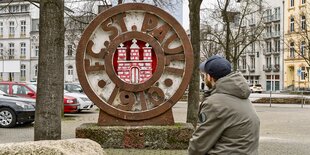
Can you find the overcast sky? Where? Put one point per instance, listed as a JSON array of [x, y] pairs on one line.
[[205, 4]]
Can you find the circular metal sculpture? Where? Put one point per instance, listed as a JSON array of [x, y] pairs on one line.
[[134, 62]]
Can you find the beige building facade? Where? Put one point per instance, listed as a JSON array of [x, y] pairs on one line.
[[295, 45]]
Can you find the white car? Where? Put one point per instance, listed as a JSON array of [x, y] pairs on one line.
[[82, 99], [256, 88]]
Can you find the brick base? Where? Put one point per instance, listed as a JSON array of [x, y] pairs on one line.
[[147, 137]]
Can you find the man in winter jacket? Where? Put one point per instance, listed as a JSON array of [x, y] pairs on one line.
[[228, 123]]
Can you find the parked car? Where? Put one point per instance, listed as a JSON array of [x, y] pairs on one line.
[[15, 112], [3, 95], [73, 88], [29, 91], [256, 88], [82, 99]]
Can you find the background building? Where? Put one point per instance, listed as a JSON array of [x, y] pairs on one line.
[[296, 45], [272, 75], [19, 36]]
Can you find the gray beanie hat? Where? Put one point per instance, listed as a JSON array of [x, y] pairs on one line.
[[216, 66]]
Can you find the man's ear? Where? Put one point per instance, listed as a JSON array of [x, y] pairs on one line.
[[206, 77], [210, 78]]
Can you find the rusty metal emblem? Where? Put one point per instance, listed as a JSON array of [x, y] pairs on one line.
[[134, 62]]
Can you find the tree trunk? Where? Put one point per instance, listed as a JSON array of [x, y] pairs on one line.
[[227, 22], [51, 71], [235, 64], [193, 94]]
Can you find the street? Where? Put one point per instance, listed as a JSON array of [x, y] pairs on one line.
[[284, 128]]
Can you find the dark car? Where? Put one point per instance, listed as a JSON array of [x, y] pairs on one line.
[[15, 112]]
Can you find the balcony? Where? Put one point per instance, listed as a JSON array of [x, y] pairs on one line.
[[276, 18], [11, 57], [276, 34], [23, 35], [267, 68], [276, 68], [252, 22], [22, 79], [251, 53], [251, 69], [22, 57], [11, 35], [268, 19], [243, 70], [243, 54], [267, 35], [290, 57], [275, 52], [266, 53]]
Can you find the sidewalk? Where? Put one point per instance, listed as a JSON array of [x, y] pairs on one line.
[[144, 152]]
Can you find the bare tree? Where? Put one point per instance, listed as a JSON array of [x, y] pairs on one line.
[[208, 48], [51, 70], [240, 25], [193, 94]]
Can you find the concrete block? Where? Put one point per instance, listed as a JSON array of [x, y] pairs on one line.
[[143, 137]]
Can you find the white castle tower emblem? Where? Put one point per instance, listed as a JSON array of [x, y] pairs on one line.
[[134, 70]]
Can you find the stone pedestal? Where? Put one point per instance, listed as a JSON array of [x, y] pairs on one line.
[[147, 137]]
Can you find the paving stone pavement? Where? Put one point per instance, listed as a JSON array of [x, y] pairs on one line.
[[284, 130], [144, 152]]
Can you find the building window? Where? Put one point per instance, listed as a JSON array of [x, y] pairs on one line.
[[253, 48], [70, 51], [268, 62], [292, 3], [1, 50], [36, 70], [36, 51], [269, 15], [252, 63], [302, 48], [277, 29], [23, 71], [11, 50], [243, 62], [13, 8], [303, 22], [277, 60], [292, 50], [1, 29], [292, 24], [277, 45], [269, 30], [277, 13], [303, 2], [268, 46], [11, 29], [11, 76], [252, 19], [24, 8], [70, 70], [22, 50], [303, 74], [23, 28]]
